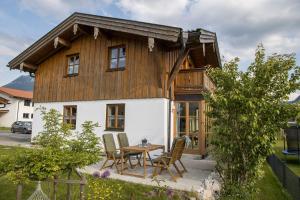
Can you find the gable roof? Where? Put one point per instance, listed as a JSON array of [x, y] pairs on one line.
[[31, 57], [155, 31], [16, 93]]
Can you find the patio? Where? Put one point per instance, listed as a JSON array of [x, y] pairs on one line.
[[198, 171]]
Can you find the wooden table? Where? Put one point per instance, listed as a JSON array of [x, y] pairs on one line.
[[139, 149]]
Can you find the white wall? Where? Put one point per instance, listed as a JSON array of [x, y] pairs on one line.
[[16, 109], [143, 118]]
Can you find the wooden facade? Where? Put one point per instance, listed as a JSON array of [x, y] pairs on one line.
[[143, 77]]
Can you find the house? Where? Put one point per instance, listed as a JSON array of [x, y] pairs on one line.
[[15, 105], [140, 78]]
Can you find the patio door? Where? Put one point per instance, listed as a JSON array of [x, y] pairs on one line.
[[187, 123]]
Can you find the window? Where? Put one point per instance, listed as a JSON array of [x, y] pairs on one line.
[[31, 116], [26, 115], [187, 122], [115, 117], [117, 57], [27, 102], [70, 113], [73, 65]]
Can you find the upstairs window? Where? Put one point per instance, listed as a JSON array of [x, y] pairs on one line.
[[70, 113], [73, 65], [27, 102], [26, 115], [117, 57], [115, 117]]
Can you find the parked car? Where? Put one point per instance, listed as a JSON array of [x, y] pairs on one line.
[[20, 126]]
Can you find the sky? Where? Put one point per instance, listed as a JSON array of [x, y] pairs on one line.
[[240, 24]]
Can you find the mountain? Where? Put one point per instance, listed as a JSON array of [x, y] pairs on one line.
[[24, 82], [295, 100]]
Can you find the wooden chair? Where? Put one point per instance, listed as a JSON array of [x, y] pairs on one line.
[[165, 161], [112, 152], [123, 142]]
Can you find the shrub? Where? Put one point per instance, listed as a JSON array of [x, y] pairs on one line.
[[248, 109]]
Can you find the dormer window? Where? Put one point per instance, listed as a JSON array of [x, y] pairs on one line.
[[73, 65], [117, 57]]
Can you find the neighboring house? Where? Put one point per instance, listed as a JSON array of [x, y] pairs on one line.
[[140, 78], [15, 105]]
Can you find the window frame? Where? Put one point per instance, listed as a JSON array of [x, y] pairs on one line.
[[68, 65], [118, 68], [27, 100], [27, 114], [64, 115], [115, 128]]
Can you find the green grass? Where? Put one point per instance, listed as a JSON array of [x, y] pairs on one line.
[[291, 161], [4, 128], [269, 186]]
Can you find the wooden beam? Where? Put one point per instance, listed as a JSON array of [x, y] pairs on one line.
[[96, 32], [175, 69], [150, 43], [61, 41], [75, 28], [27, 65]]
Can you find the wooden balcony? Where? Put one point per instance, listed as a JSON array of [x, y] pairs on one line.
[[193, 81]]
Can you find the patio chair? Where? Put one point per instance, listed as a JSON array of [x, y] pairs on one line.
[[166, 160], [123, 142], [112, 152], [292, 142]]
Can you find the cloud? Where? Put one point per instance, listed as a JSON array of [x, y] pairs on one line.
[[60, 9], [240, 25], [12, 45]]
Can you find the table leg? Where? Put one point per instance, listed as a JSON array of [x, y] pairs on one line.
[[122, 161], [150, 158], [145, 164]]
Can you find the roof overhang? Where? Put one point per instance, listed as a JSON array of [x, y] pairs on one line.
[[78, 23], [3, 100], [31, 57]]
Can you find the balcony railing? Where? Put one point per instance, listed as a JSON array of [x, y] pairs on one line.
[[195, 80]]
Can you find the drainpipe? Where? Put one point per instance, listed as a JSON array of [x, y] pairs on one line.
[[18, 110], [169, 121]]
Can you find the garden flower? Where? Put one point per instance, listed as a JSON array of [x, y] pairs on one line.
[[96, 174], [105, 174], [169, 192]]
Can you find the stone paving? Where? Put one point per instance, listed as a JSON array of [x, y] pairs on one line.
[[198, 171]]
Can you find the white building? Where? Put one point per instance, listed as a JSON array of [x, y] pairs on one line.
[[16, 105]]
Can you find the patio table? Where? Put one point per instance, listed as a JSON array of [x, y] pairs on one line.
[[139, 149]]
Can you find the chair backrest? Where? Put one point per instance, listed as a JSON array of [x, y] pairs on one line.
[[177, 149], [109, 143], [123, 140], [292, 138]]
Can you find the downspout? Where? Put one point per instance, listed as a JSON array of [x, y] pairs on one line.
[[18, 110], [169, 122]]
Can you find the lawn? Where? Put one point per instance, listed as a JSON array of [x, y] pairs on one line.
[[4, 128], [270, 187], [291, 161]]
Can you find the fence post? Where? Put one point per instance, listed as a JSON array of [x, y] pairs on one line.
[[284, 174], [19, 191], [54, 187]]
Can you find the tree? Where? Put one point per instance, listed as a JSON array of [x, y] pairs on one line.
[[248, 110]]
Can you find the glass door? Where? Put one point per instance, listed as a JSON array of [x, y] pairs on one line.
[[187, 124]]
